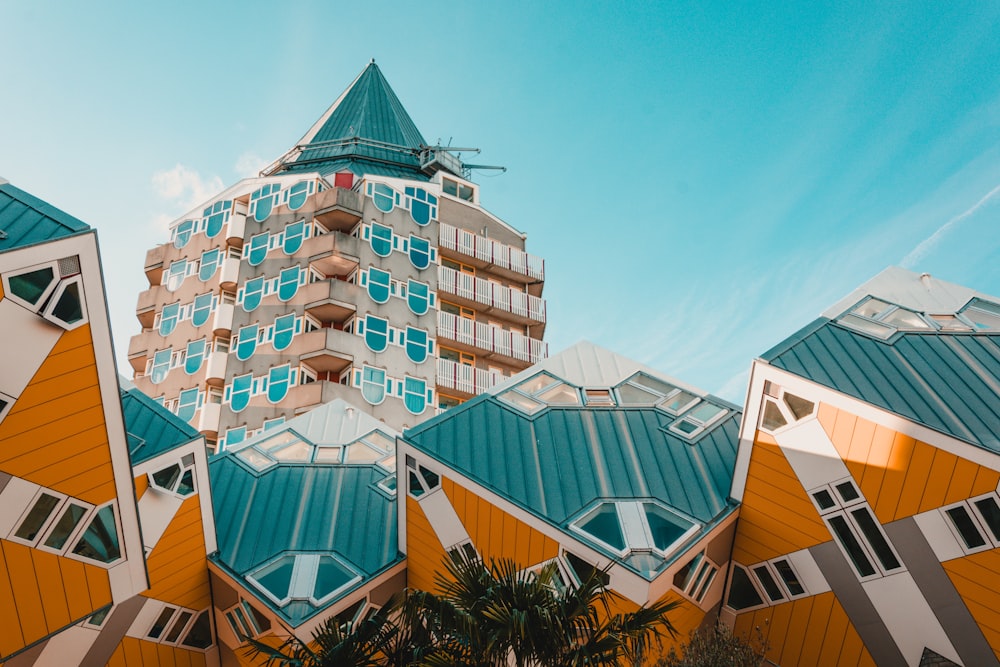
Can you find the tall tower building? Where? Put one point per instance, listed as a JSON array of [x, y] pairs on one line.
[[359, 265]]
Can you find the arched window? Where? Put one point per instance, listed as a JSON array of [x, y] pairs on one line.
[[414, 395], [168, 318], [203, 307], [239, 392], [294, 234], [420, 252], [194, 357], [381, 240], [376, 333], [253, 292], [297, 194], [285, 328], [417, 296], [257, 248], [288, 283], [216, 215], [246, 341], [187, 404], [416, 345], [176, 274], [373, 384], [384, 197], [422, 205], [262, 200], [161, 366], [378, 284], [209, 264], [278, 381], [183, 233]]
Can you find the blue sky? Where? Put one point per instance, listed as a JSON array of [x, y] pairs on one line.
[[701, 178]]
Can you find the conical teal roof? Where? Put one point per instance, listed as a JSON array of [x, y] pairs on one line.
[[367, 124]]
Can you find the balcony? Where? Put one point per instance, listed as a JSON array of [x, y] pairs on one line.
[[524, 308], [325, 350], [138, 352], [222, 321], [237, 225], [230, 273], [215, 370], [500, 258], [154, 264], [333, 254], [207, 419], [466, 379], [149, 302], [482, 337], [338, 209], [330, 301]]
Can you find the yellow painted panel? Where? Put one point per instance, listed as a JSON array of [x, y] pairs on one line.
[[879, 455], [827, 416], [892, 484], [986, 481], [27, 596], [141, 483], [962, 479], [133, 651], [764, 438], [118, 657], [72, 351], [150, 653], [50, 585], [74, 581], [974, 578], [815, 629], [850, 652], [198, 659], [11, 638], [938, 479], [99, 584], [425, 555], [917, 473], [798, 622], [177, 570]]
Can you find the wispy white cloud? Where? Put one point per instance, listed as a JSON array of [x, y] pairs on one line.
[[181, 188], [926, 246], [249, 164]]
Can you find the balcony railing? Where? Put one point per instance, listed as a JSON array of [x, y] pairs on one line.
[[491, 294], [491, 251], [490, 338], [465, 378]]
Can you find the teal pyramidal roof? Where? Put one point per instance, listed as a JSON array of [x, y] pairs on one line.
[[150, 428], [919, 347], [586, 426], [366, 130], [26, 220], [316, 486]]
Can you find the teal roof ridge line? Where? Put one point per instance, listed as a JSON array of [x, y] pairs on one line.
[[367, 120], [26, 220], [150, 428]]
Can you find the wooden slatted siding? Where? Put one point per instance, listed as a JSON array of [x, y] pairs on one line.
[[808, 632], [178, 573], [41, 593], [55, 435], [901, 476], [777, 516], [424, 554], [134, 652], [975, 578], [495, 533]]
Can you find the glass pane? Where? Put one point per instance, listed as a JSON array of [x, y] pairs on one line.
[[631, 395], [66, 524], [705, 412], [799, 407], [277, 441], [847, 491], [686, 426], [871, 308], [277, 577], [656, 385], [175, 630], [851, 546], [991, 515], [416, 489], [742, 593], [772, 418], [561, 395], [665, 527], [69, 308], [769, 584], [37, 517], [256, 460], [529, 405], [788, 575], [186, 487], [100, 540], [432, 479], [161, 622], [873, 533], [200, 634], [824, 499], [536, 383], [327, 455], [381, 440], [31, 286], [167, 477], [867, 326], [300, 451], [359, 453], [683, 576], [906, 319], [603, 524], [966, 527], [678, 402], [330, 576]]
